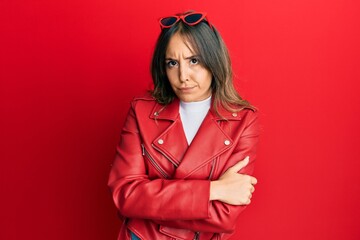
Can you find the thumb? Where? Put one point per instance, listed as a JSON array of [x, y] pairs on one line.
[[241, 164]]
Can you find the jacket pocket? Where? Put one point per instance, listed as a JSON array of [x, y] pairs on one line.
[[177, 234], [152, 161]]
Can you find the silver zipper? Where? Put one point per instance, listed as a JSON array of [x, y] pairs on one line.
[[212, 169], [167, 157], [153, 162], [196, 237]]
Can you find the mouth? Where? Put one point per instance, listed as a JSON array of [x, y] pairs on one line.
[[186, 89]]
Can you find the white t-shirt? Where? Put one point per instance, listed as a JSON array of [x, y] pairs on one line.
[[192, 115]]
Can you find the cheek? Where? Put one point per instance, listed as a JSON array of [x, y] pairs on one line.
[[206, 79], [171, 77]]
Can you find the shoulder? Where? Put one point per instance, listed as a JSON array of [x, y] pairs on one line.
[[237, 112], [144, 104], [144, 99], [251, 115], [247, 116], [249, 111], [242, 117]]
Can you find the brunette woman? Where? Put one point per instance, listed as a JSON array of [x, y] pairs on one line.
[[184, 162]]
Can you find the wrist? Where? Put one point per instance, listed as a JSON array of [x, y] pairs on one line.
[[214, 190]]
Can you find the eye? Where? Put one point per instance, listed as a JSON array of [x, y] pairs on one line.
[[194, 61], [171, 63]]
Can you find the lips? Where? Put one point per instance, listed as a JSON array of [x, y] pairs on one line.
[[186, 89]]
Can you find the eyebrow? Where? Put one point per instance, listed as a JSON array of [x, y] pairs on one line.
[[190, 57]]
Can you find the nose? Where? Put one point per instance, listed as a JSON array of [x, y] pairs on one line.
[[183, 74]]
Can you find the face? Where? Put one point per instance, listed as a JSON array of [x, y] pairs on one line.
[[188, 77]]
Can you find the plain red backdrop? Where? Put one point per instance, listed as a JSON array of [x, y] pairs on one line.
[[68, 70]]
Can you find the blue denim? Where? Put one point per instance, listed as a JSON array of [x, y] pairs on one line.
[[134, 237]]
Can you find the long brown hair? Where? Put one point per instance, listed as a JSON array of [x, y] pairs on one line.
[[208, 44]]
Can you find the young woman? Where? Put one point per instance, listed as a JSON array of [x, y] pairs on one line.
[[186, 153]]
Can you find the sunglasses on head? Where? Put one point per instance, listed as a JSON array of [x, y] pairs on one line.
[[190, 19]]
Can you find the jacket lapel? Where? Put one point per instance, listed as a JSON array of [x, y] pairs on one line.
[[172, 141], [201, 150]]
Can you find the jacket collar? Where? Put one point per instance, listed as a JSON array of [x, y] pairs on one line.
[[171, 112]]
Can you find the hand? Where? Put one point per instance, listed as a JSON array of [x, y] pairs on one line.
[[232, 187]]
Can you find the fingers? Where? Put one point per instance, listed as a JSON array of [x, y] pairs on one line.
[[248, 201], [241, 164], [253, 181]]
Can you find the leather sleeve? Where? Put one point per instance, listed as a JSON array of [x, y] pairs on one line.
[[136, 196], [222, 216]]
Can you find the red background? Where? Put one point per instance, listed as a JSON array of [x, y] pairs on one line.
[[68, 70]]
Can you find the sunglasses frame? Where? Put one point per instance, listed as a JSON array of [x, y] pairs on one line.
[[182, 17]]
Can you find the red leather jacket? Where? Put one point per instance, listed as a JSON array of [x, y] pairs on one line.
[[161, 186]]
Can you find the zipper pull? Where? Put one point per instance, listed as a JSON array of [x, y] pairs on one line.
[[196, 237], [143, 149]]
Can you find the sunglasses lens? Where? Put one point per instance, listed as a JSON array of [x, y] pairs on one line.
[[169, 21], [193, 18]]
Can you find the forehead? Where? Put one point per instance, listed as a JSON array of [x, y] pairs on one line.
[[179, 44]]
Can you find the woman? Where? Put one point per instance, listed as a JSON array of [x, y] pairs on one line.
[[183, 164]]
